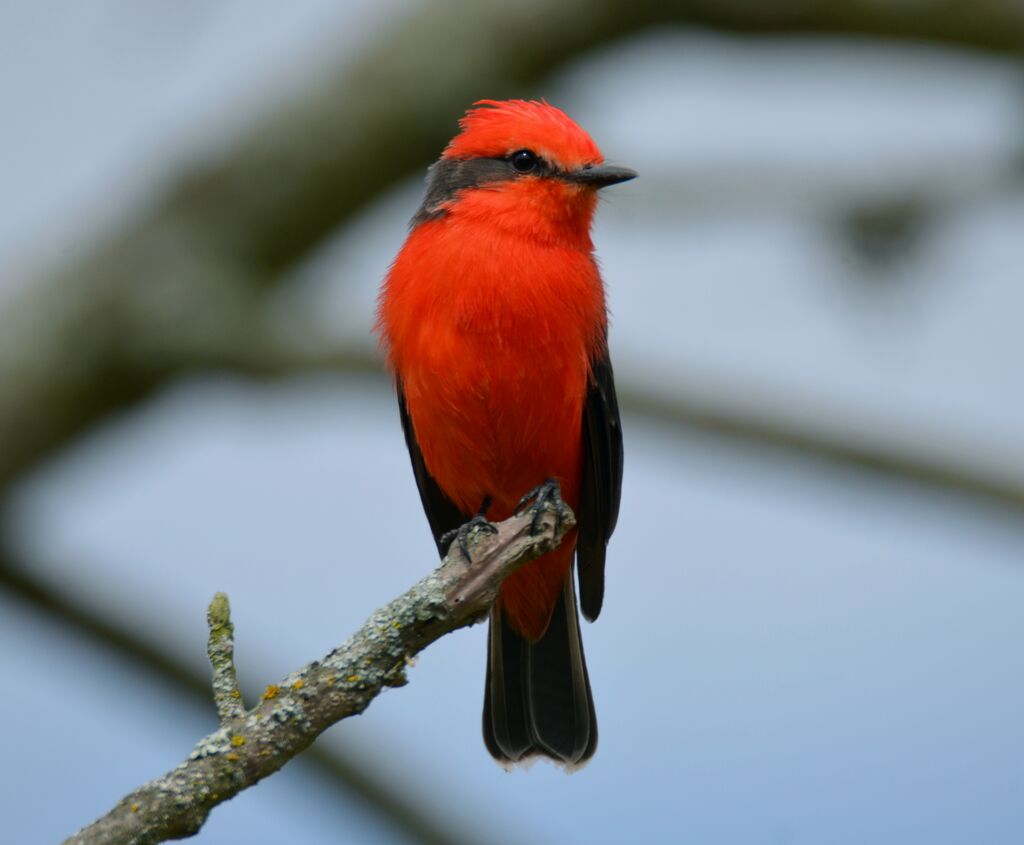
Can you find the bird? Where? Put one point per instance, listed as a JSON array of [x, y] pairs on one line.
[[494, 323]]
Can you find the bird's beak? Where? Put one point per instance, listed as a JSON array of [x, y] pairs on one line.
[[601, 175]]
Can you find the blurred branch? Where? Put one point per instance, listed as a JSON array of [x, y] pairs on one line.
[[746, 416], [911, 456], [996, 25], [879, 210], [89, 339], [291, 714], [766, 186], [334, 768]]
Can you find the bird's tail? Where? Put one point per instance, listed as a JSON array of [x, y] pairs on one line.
[[537, 701]]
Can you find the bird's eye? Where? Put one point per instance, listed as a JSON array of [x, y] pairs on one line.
[[524, 161]]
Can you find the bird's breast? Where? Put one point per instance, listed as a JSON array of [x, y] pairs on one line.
[[492, 339]]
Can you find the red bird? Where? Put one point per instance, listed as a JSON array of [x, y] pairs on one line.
[[494, 322]]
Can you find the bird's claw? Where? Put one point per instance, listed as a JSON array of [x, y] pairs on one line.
[[538, 500], [461, 534]]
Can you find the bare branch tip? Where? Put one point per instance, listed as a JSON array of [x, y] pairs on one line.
[[221, 651], [218, 613]]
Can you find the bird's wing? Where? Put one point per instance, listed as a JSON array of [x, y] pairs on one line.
[[601, 484], [442, 514]]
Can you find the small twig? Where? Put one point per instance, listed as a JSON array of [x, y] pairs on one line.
[[291, 714], [221, 650]]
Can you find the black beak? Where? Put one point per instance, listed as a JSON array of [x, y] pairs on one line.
[[601, 175]]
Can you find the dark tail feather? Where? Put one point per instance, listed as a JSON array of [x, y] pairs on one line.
[[537, 699]]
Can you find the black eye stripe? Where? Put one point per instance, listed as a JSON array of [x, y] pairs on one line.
[[449, 176]]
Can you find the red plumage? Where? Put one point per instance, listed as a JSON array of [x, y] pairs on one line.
[[493, 316]]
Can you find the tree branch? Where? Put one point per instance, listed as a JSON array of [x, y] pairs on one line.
[[343, 770], [291, 714]]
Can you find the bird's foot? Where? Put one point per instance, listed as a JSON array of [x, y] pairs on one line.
[[541, 498], [462, 534]]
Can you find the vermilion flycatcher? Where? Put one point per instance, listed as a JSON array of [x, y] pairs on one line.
[[494, 322]]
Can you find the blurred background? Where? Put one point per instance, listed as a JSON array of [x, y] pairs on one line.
[[813, 623]]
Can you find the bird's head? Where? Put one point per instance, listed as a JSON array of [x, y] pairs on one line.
[[523, 166]]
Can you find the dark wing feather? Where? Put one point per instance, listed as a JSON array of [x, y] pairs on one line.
[[601, 485], [442, 514]]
